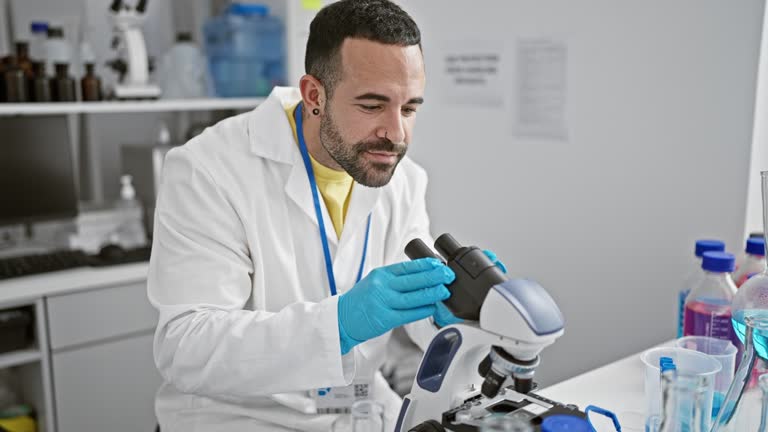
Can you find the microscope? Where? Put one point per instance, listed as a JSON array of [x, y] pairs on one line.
[[132, 63], [484, 366]]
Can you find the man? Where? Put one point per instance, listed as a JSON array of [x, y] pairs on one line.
[[277, 265]]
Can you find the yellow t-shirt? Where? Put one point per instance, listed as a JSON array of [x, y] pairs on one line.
[[334, 186]]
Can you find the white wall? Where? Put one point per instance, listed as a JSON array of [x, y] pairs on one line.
[[660, 101], [759, 142]]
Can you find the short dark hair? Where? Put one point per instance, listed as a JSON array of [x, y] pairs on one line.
[[375, 20]]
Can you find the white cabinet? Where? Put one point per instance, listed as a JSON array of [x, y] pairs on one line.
[[103, 372], [106, 387]]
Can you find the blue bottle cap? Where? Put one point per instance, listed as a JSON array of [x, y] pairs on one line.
[[755, 246], [39, 27], [708, 245], [565, 423], [248, 9], [718, 262]]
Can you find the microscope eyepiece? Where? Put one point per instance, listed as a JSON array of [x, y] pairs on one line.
[[416, 249], [447, 246]]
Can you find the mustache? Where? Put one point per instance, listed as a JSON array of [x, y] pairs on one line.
[[382, 145]]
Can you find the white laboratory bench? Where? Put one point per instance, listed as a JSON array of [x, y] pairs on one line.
[[617, 387], [90, 366]]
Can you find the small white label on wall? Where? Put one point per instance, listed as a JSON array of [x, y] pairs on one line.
[[541, 89], [470, 73]]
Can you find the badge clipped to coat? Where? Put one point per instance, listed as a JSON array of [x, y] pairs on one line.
[[339, 400]]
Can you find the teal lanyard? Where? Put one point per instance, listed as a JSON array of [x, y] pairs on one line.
[[318, 209]]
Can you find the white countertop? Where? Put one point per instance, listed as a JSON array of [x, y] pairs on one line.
[[617, 387], [48, 284]]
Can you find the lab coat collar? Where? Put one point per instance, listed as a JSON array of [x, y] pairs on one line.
[[269, 131], [271, 137]]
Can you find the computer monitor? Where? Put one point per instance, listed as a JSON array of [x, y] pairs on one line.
[[37, 170]]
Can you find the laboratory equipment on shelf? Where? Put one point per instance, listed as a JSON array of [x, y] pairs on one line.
[[246, 51], [62, 85], [750, 320], [57, 49], [90, 84], [39, 31], [40, 87], [182, 72], [507, 323], [708, 306], [132, 63], [695, 277]]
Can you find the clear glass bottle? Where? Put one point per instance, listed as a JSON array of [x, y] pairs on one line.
[[753, 263], [695, 277], [708, 306]]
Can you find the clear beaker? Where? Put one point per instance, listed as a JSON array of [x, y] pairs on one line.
[[688, 363], [367, 416], [686, 408], [502, 423], [721, 350]]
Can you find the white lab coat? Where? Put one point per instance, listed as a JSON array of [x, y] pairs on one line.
[[247, 323]]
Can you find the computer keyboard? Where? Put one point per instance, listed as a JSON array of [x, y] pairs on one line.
[[68, 259], [41, 263]]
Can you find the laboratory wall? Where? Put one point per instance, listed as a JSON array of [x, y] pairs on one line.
[[759, 142], [609, 138]]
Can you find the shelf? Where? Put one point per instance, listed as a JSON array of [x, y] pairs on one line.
[[161, 105], [20, 357]]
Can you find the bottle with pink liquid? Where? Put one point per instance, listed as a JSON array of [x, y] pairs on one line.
[[708, 306], [753, 261]]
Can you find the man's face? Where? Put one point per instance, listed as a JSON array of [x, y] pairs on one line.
[[367, 124]]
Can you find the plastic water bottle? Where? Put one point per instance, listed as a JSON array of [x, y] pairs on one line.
[[753, 262], [246, 51], [695, 276], [708, 306]]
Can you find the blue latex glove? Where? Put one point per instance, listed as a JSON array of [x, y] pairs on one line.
[[390, 297], [443, 316], [492, 256]]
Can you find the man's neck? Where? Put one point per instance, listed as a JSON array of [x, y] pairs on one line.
[[311, 130]]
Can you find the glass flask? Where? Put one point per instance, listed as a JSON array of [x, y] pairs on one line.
[[750, 321], [685, 403]]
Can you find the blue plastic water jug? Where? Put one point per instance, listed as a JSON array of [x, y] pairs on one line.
[[246, 51]]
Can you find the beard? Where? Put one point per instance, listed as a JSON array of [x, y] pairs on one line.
[[351, 157]]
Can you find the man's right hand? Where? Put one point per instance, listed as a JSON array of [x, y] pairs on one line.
[[390, 297]]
